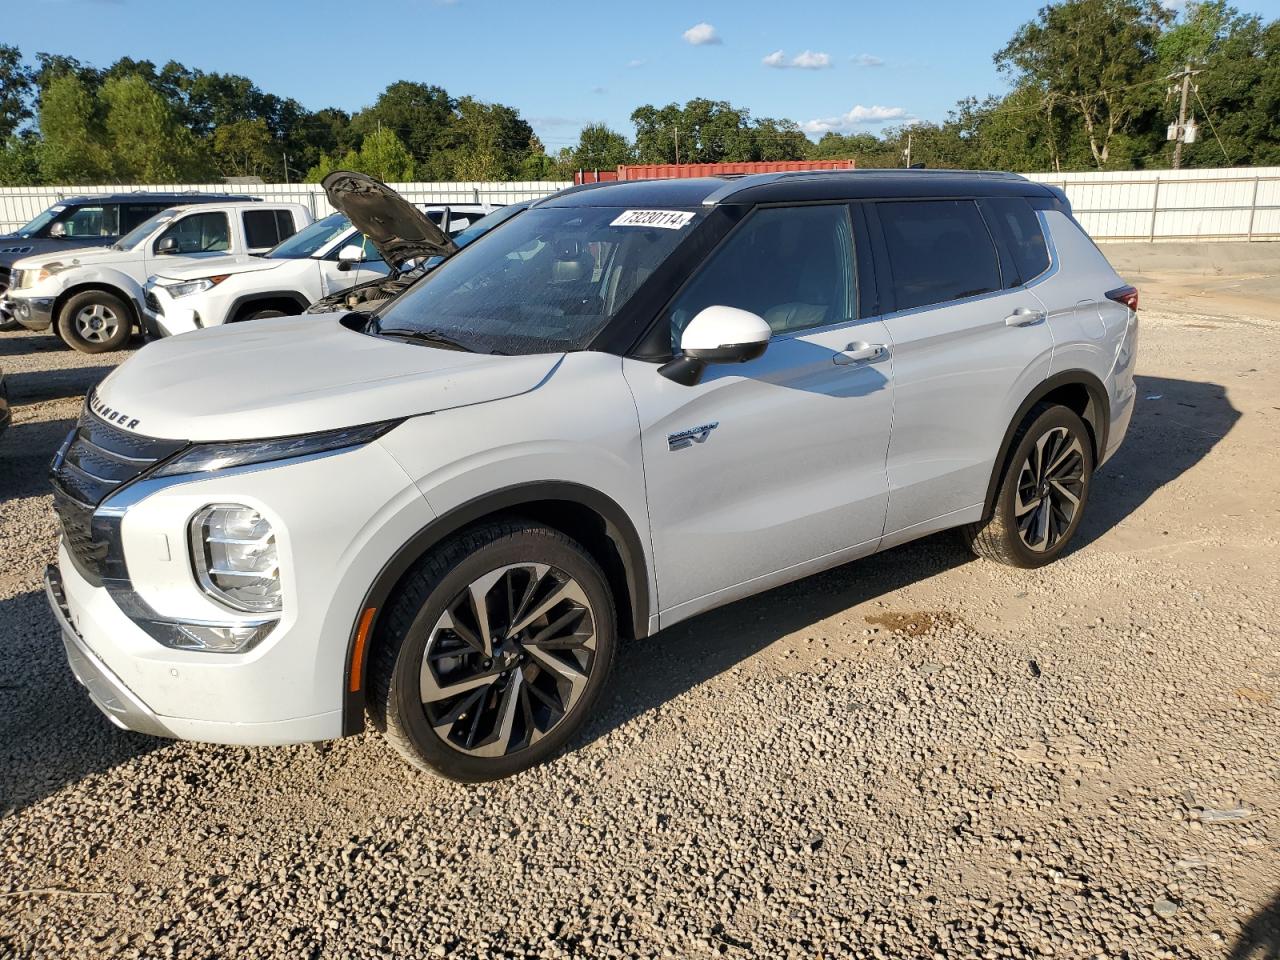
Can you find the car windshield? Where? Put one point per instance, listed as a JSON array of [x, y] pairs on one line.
[[40, 221], [548, 281], [306, 242], [143, 230], [475, 232]]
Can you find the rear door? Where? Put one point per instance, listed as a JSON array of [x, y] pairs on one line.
[[969, 344], [264, 227], [769, 469]]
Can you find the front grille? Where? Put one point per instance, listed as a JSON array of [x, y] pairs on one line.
[[95, 460], [153, 303]]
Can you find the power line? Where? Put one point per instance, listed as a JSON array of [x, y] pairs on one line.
[[1212, 127]]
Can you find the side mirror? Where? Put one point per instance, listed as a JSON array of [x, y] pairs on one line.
[[58, 230], [717, 335], [167, 247], [349, 256]]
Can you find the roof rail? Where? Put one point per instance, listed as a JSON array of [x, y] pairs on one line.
[[745, 182]]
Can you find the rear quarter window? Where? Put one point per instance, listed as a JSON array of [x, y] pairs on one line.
[[1025, 254], [938, 250]]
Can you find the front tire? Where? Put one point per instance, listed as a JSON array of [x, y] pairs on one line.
[[261, 315], [493, 652], [95, 322], [1042, 494]]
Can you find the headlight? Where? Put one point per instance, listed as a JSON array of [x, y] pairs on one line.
[[234, 550], [207, 457], [189, 287]]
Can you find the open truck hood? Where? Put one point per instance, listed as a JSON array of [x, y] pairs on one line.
[[291, 375], [399, 230]]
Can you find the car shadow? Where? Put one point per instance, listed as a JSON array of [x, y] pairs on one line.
[[1260, 938], [41, 385], [26, 450], [1176, 423], [1166, 438], [51, 734]]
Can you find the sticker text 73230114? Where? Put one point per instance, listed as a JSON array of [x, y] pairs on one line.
[[665, 219]]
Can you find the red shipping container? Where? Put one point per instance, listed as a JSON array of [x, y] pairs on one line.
[[662, 171]]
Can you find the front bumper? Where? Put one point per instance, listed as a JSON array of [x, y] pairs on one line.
[[34, 313], [163, 317], [108, 693]]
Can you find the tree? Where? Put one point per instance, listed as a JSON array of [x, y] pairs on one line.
[[244, 148], [381, 155], [20, 160], [16, 84], [145, 141], [600, 148], [73, 149], [421, 115], [492, 141], [1097, 59]]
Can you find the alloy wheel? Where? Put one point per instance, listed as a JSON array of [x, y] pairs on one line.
[[1049, 490], [97, 323], [508, 659]]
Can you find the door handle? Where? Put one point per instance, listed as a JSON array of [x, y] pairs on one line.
[[861, 352], [1023, 317]]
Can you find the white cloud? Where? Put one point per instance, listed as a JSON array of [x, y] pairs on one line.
[[702, 34], [867, 60], [810, 60], [638, 62], [858, 116]]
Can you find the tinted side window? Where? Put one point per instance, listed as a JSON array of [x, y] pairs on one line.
[[94, 221], [1023, 238], [939, 250], [200, 233], [266, 228], [132, 214], [791, 265]]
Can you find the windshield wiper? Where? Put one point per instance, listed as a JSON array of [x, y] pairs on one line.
[[434, 337]]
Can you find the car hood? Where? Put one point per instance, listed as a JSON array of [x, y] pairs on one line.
[[292, 375], [214, 266], [70, 256], [399, 230], [14, 247]]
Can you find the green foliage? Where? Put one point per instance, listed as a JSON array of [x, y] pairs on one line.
[[145, 142], [73, 133], [16, 83], [600, 148], [244, 148], [381, 155]]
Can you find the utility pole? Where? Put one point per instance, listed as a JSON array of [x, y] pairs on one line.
[[907, 152], [1182, 132], [677, 130], [286, 169]]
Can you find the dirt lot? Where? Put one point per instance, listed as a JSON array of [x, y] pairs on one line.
[[916, 755]]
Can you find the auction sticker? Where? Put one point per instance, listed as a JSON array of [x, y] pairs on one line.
[[664, 219]]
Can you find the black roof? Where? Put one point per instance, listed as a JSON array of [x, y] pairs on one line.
[[797, 187], [173, 199]]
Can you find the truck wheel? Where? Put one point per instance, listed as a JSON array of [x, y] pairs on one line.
[[1042, 494], [95, 322], [493, 652]]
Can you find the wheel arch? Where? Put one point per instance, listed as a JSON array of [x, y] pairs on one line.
[[1077, 390], [103, 286], [592, 518], [267, 299]]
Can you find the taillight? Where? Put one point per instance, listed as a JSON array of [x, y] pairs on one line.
[[1127, 295]]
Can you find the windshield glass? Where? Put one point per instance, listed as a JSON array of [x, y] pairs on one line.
[[306, 242], [40, 221], [143, 230], [548, 281], [475, 231]]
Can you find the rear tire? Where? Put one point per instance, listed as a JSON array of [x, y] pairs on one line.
[[95, 322], [1042, 494], [476, 696]]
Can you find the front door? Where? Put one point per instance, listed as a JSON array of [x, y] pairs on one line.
[[767, 470]]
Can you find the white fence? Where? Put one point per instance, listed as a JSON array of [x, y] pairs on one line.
[[19, 204], [1238, 203]]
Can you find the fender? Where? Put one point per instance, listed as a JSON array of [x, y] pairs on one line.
[[1097, 416], [618, 527], [107, 279], [244, 300]]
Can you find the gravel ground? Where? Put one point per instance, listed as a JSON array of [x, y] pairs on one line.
[[916, 755]]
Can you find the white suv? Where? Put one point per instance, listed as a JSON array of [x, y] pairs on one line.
[[328, 257], [92, 297], [632, 403]]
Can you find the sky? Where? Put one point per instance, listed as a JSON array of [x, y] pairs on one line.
[[844, 65]]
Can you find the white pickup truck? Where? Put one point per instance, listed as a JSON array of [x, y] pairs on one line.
[[92, 297]]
